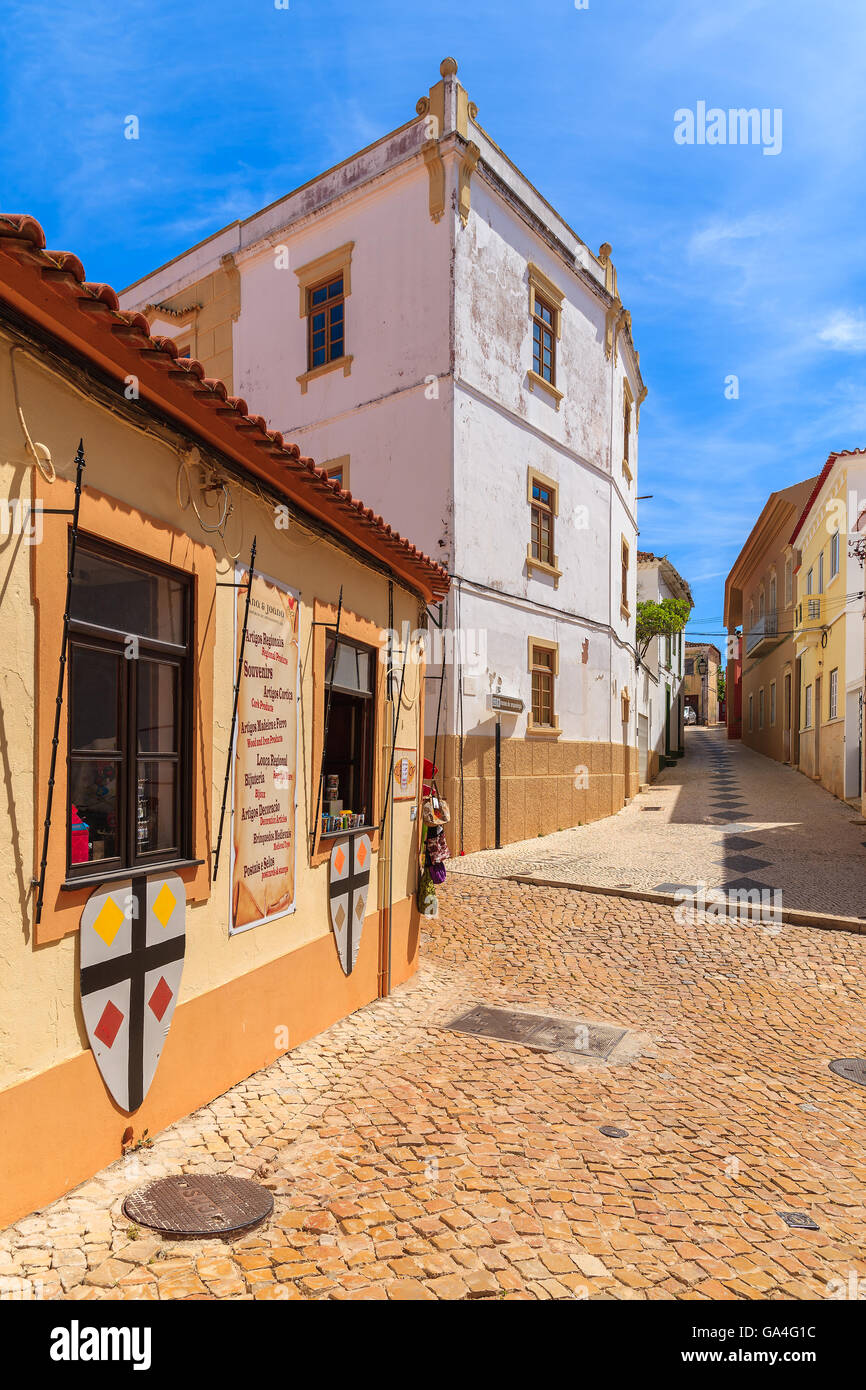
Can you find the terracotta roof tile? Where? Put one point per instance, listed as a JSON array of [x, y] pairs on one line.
[[22, 240]]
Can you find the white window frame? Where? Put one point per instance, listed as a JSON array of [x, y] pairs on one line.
[[834, 693], [834, 554]]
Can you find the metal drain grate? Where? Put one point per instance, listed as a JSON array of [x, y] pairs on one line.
[[799, 1220], [539, 1031], [209, 1205], [852, 1068]]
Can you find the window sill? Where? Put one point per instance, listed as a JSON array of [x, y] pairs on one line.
[[306, 377], [536, 380], [168, 866], [543, 566], [542, 731]]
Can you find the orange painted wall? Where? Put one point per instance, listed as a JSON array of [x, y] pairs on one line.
[[59, 1128]]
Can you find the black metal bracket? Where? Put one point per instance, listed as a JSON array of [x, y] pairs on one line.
[[64, 646], [432, 617], [249, 588], [315, 830]]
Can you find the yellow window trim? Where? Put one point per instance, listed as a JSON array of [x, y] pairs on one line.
[[543, 645], [546, 288], [536, 380], [533, 564], [325, 268], [533, 476], [306, 377]]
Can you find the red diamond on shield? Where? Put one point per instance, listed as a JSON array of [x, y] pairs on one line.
[[160, 999], [106, 1028], [339, 860]]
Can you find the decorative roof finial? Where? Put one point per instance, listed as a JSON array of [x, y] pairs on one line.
[[448, 67]]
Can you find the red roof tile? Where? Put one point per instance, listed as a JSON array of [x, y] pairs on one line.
[[50, 288], [819, 483]]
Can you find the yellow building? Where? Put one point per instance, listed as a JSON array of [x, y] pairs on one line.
[[828, 627], [118, 585]]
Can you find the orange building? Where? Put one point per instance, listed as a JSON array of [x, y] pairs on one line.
[[214, 697]]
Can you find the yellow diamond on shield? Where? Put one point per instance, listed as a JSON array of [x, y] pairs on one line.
[[164, 905], [108, 921]]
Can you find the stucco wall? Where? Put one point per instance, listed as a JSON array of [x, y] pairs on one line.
[[40, 1022]]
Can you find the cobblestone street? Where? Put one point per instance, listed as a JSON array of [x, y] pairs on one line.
[[724, 816], [409, 1161]]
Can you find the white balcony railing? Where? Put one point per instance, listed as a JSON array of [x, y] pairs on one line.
[[766, 628]]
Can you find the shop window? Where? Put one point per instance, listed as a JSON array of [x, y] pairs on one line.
[[129, 713], [834, 693], [350, 677]]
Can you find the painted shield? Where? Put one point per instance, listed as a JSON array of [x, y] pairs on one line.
[[349, 885], [133, 934]]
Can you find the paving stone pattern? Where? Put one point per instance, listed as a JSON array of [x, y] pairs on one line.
[[410, 1161], [728, 818]]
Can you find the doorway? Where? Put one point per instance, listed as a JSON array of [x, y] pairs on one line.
[[642, 747], [817, 718], [786, 729]]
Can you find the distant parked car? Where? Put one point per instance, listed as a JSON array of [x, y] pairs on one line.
[[689, 715]]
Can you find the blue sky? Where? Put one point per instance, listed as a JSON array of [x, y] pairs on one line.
[[731, 261]]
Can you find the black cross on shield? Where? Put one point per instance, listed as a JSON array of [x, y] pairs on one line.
[[349, 886], [133, 934]]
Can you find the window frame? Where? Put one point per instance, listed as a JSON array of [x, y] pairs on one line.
[[312, 276], [807, 706], [625, 568], [833, 692], [549, 668], [368, 699], [330, 303], [338, 465], [550, 485], [542, 288], [91, 636], [772, 704], [835, 550]]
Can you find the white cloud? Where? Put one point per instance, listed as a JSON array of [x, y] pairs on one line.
[[845, 331]]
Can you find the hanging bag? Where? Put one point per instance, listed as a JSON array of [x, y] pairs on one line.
[[434, 808]]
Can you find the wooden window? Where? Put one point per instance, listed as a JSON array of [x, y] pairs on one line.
[[338, 470], [834, 693], [624, 576], [543, 338], [350, 674], [130, 713], [543, 669], [690, 666], [626, 431], [542, 522], [326, 323]]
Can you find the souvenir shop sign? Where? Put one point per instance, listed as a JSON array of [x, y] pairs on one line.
[[264, 782]]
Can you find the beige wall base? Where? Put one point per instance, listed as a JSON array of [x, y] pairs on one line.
[[539, 794]]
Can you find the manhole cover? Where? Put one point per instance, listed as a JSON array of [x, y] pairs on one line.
[[852, 1068], [539, 1031], [800, 1220], [209, 1205], [612, 1132]]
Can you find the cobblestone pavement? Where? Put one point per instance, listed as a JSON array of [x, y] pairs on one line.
[[724, 816], [408, 1161]]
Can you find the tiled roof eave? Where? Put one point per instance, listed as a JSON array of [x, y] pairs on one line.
[[50, 289]]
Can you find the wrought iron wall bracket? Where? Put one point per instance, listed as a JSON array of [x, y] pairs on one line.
[[39, 883], [249, 588]]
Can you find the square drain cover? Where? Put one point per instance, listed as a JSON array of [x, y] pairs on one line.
[[539, 1031]]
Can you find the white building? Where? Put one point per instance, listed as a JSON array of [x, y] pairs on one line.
[[425, 325], [661, 671]]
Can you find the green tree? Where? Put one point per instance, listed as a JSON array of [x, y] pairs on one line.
[[721, 685], [663, 619]]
